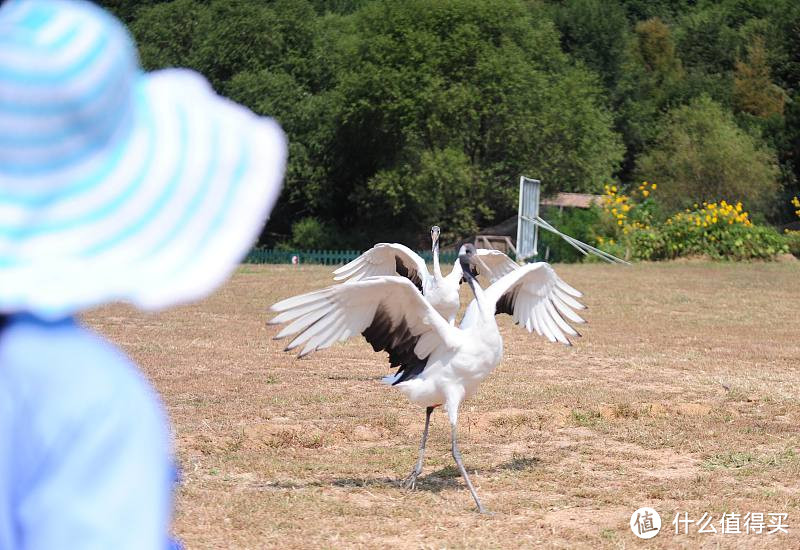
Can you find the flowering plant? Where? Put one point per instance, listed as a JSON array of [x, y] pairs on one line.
[[634, 229]]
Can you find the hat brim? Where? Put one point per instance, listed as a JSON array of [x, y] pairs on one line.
[[159, 218]]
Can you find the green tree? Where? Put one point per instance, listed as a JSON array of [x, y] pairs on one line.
[[702, 155], [667, 10], [597, 33], [169, 34], [753, 89], [480, 88], [650, 85]]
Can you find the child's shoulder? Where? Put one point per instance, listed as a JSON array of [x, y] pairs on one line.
[[64, 364]]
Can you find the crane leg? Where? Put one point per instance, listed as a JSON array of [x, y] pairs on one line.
[[411, 481], [460, 464]]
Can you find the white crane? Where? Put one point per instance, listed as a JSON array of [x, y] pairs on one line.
[[442, 292], [438, 364]]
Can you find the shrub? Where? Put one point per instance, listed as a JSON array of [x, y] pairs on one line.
[[793, 242], [310, 233], [634, 230], [721, 233], [628, 228], [793, 237]]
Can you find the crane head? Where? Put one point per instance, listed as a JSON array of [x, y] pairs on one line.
[[467, 256]]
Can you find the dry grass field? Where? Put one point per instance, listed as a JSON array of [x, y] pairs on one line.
[[682, 395]]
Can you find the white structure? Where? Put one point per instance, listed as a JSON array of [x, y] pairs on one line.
[[529, 221], [527, 230]]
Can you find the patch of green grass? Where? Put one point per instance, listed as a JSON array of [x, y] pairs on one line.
[[738, 460], [608, 534], [586, 419], [786, 456], [732, 460]]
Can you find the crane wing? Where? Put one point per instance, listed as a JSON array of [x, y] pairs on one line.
[[538, 300], [388, 311], [385, 259], [497, 262]]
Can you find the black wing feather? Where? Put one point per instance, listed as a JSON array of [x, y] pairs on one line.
[[409, 274], [398, 342], [506, 302]]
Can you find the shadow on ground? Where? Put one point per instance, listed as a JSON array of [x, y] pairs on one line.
[[440, 480]]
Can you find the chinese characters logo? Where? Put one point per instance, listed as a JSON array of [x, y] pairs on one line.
[[645, 523]]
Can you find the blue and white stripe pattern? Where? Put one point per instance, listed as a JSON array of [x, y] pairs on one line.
[[116, 184]]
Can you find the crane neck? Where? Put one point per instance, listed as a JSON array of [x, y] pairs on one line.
[[477, 291], [437, 271]]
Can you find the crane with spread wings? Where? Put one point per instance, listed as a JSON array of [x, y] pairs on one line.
[[437, 363]]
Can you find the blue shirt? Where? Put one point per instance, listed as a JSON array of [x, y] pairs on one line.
[[84, 443]]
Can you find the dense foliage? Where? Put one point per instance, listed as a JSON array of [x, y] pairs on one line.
[[700, 153], [634, 227], [404, 114]]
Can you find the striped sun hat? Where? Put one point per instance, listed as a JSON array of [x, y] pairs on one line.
[[117, 184]]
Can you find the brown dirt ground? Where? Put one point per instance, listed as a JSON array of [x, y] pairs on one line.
[[682, 395]]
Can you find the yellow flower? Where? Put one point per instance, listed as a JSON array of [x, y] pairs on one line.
[[613, 188], [645, 192], [625, 207], [618, 200], [619, 222], [653, 187], [714, 219]]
